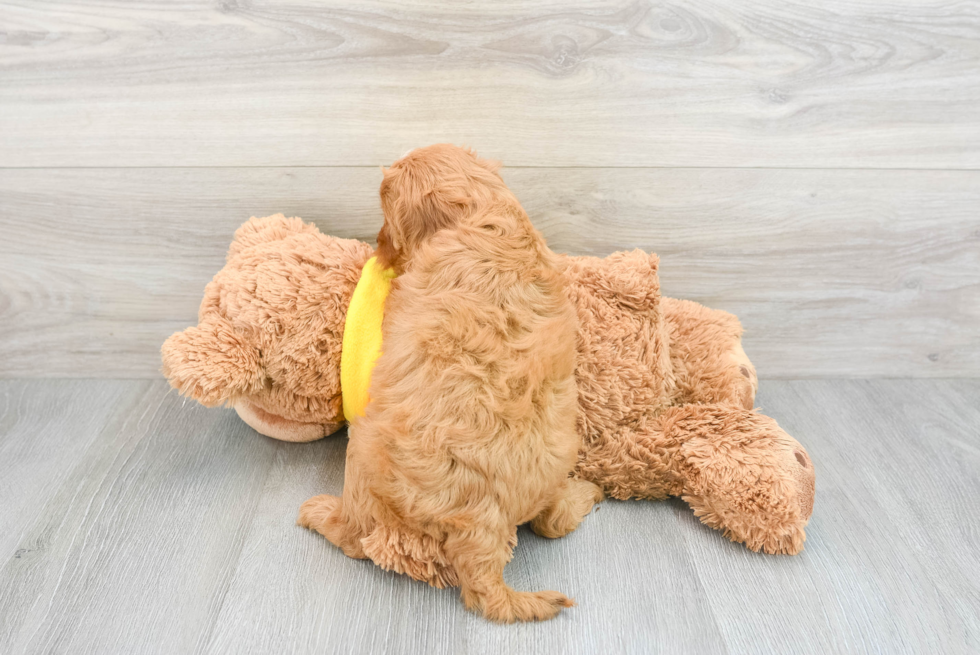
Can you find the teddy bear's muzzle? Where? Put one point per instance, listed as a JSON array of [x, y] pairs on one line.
[[281, 428]]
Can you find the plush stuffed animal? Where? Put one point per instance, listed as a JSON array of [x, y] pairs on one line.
[[665, 390]]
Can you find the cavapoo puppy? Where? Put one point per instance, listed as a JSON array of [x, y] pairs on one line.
[[470, 431]]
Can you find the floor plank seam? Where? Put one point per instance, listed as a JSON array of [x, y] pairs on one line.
[[206, 640]]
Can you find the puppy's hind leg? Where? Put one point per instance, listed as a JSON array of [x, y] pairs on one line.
[[479, 557], [325, 515], [573, 502]]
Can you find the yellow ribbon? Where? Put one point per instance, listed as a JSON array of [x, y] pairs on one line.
[[362, 336]]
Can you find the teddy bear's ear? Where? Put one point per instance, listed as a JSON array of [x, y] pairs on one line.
[[277, 227], [211, 363]]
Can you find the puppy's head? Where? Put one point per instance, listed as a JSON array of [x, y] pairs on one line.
[[431, 189]]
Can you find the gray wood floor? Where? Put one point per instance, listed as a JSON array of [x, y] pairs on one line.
[[134, 521]]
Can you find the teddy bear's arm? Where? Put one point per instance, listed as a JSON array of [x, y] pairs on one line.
[[736, 468]]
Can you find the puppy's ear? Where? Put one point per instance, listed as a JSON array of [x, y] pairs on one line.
[[419, 198], [387, 252], [211, 363]]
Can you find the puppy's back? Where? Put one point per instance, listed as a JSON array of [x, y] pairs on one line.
[[476, 380]]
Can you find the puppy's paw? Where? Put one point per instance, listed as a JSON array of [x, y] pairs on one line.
[[315, 512], [568, 511], [527, 606], [325, 515]]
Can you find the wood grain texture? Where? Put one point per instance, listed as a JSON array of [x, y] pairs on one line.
[[133, 551], [833, 273], [43, 436], [768, 83], [174, 533]]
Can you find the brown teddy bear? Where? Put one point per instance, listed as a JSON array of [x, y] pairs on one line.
[[665, 390]]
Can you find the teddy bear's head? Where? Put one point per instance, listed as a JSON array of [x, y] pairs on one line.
[[270, 329]]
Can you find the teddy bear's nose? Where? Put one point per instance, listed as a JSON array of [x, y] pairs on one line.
[[806, 480]]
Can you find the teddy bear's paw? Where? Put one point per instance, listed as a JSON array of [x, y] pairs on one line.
[[747, 382], [752, 481], [775, 535]]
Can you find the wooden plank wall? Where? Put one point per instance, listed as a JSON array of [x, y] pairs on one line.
[[812, 167]]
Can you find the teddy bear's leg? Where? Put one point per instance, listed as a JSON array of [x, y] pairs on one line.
[[737, 469], [706, 354], [572, 504], [743, 475], [636, 461]]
